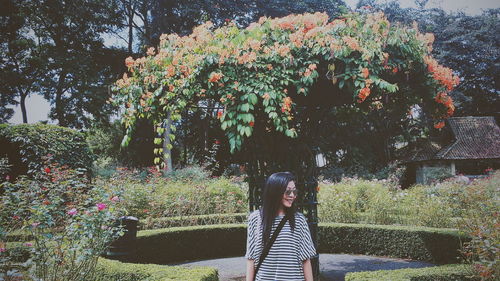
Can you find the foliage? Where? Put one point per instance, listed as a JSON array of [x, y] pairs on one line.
[[28, 147], [381, 202], [70, 223], [364, 57], [184, 192], [472, 208], [104, 141], [419, 243], [182, 16], [20, 59], [451, 272], [4, 169], [109, 270], [481, 222], [56, 48], [155, 246], [155, 223], [468, 44]]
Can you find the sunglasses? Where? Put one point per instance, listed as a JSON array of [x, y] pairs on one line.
[[291, 192]]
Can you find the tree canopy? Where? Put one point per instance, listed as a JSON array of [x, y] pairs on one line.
[[262, 75]]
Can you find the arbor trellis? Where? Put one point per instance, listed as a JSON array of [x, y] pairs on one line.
[[278, 77]]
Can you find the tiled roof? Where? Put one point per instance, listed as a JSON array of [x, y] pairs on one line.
[[473, 138]]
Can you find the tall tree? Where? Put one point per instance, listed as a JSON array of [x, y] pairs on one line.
[[71, 31], [20, 59], [470, 45]]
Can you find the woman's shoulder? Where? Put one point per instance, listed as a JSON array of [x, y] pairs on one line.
[[253, 216], [300, 217]]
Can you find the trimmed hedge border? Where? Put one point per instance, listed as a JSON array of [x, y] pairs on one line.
[[439, 246], [435, 245], [108, 270], [450, 272], [172, 245], [169, 245], [165, 222]]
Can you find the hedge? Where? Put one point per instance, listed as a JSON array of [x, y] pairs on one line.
[[436, 245], [165, 222], [27, 144], [169, 245], [450, 272], [109, 270], [163, 246], [172, 245]]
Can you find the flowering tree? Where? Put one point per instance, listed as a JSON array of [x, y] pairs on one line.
[[261, 77]]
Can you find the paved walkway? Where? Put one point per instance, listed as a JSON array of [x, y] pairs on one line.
[[332, 267]]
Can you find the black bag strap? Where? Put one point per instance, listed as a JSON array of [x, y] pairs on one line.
[[270, 244]]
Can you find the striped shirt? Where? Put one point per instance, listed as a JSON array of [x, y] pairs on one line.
[[284, 261]]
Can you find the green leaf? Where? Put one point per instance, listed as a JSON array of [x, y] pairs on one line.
[[248, 131], [252, 98], [245, 107]]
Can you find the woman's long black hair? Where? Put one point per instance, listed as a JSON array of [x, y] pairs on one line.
[[271, 200]]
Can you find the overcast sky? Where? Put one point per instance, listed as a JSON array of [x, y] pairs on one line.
[[37, 107]]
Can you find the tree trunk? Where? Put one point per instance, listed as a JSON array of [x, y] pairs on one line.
[[130, 11], [23, 107], [59, 110], [167, 157], [147, 27]]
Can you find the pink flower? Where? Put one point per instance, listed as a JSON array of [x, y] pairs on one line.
[[2, 250], [101, 206], [35, 224], [7, 178], [115, 199], [16, 217], [72, 212], [28, 244]]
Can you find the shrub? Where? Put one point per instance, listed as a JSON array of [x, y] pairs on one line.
[[28, 145], [191, 173], [155, 223], [109, 270], [452, 272], [69, 221], [482, 224], [157, 197], [420, 243]]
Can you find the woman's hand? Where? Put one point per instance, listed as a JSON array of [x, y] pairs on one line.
[[250, 270], [308, 273]]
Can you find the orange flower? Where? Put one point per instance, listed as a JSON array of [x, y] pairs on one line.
[[287, 104], [439, 125], [363, 94], [151, 51], [170, 71], [219, 114], [266, 96], [365, 72], [312, 66], [129, 62], [214, 77], [286, 25], [171, 88], [251, 123], [395, 70], [351, 42]]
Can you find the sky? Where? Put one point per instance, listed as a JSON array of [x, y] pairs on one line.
[[37, 107]]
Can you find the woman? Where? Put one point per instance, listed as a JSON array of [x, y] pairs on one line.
[[289, 256]]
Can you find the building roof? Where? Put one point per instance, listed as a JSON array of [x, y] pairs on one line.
[[471, 138]]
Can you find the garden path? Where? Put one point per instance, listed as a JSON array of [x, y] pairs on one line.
[[333, 267]]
